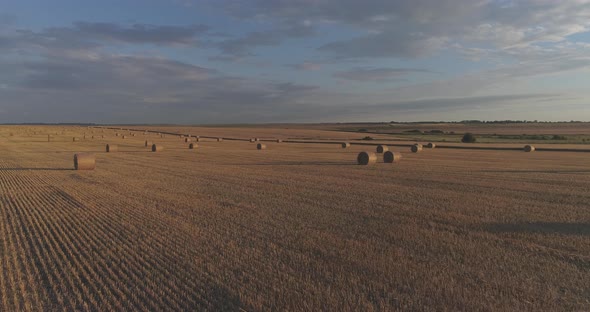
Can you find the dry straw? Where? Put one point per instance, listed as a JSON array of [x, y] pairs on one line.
[[382, 148], [157, 148], [366, 158], [345, 145], [391, 157], [192, 146], [529, 148], [416, 148], [84, 161], [431, 145], [111, 148], [261, 146]]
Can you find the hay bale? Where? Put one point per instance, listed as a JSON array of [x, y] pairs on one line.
[[345, 145], [192, 146], [261, 146], [74, 139], [256, 139], [416, 148], [279, 141], [111, 148], [49, 138], [116, 134], [219, 139], [366, 158], [391, 157], [252, 140], [187, 140], [529, 148], [124, 137], [84, 161], [198, 139], [430, 145], [382, 149], [157, 148], [148, 143]]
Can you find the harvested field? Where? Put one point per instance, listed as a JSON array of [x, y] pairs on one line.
[[300, 227]]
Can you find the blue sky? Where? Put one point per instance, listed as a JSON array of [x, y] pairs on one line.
[[198, 62]]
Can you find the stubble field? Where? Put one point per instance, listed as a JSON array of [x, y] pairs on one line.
[[297, 227]]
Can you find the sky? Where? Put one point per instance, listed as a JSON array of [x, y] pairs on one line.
[[276, 61]]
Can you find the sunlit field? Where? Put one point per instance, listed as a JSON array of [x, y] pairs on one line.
[[297, 226]]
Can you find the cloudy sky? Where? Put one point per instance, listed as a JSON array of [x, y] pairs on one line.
[[232, 61]]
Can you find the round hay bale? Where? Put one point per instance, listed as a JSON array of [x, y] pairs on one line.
[[366, 158], [529, 148], [431, 145], [192, 146], [84, 161], [116, 134], [261, 146], [382, 149], [75, 139], [124, 137], [252, 140], [187, 140], [345, 145], [391, 157], [198, 140], [279, 141], [416, 148], [157, 148], [256, 139], [219, 139], [148, 143], [111, 148]]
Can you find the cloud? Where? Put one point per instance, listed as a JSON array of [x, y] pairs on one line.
[[382, 74], [308, 66], [120, 88], [418, 28], [241, 46], [140, 33], [89, 36]]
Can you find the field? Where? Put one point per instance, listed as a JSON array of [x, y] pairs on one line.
[[295, 227]]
